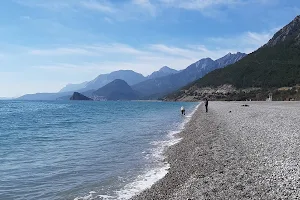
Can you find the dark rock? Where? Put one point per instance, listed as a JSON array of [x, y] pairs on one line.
[[81, 97]]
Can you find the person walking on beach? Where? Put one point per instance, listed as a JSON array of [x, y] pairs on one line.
[[206, 104], [182, 110]]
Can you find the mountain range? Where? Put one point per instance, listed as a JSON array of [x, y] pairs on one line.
[[89, 87], [272, 69], [128, 76], [158, 87], [154, 86]]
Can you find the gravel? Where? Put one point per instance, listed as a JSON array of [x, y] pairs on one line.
[[235, 152]]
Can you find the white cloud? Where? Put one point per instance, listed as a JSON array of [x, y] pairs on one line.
[[25, 17], [213, 8], [88, 50], [66, 67], [97, 6], [109, 20], [51, 5], [146, 4], [115, 48], [135, 9], [61, 52], [121, 56], [245, 42], [58, 5], [192, 52], [268, 2], [175, 51], [115, 57], [199, 4], [132, 9]]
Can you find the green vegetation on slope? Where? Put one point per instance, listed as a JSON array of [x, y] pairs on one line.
[[267, 67]]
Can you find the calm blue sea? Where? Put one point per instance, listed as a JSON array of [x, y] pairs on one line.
[[84, 150]]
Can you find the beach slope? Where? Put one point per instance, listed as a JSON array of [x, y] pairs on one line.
[[235, 152]]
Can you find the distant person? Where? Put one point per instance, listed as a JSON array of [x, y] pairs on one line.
[[206, 104], [182, 110]]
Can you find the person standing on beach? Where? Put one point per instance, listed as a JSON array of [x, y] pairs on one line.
[[206, 104], [182, 110]]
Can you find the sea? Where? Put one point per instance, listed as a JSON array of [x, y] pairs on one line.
[[85, 150]]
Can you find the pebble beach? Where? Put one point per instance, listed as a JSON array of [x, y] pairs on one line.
[[234, 152]]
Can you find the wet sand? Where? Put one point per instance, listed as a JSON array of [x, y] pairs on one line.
[[235, 152]]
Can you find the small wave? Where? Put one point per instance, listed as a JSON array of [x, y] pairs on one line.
[[143, 182], [87, 197], [105, 197]]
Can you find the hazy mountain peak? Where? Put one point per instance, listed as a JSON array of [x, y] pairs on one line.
[[164, 71], [73, 87], [116, 90], [230, 58], [128, 76], [205, 60], [124, 71], [234, 54], [203, 63]]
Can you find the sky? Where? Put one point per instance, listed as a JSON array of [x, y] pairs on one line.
[[46, 44]]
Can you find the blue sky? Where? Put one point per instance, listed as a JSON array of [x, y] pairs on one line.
[[46, 44]]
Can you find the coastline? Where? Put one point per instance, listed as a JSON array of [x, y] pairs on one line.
[[147, 179], [156, 166], [234, 152], [164, 187]]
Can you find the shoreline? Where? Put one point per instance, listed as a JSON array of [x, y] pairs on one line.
[[157, 167], [153, 192], [149, 177], [234, 152]]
